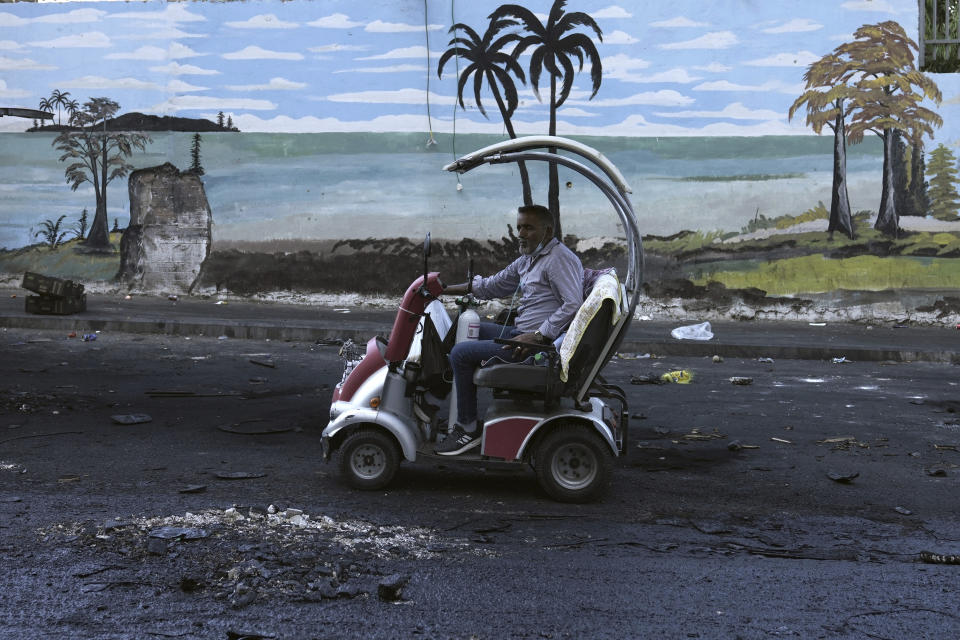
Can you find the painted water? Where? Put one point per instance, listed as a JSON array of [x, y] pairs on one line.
[[267, 186]]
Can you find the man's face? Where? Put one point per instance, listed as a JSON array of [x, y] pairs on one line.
[[531, 232]]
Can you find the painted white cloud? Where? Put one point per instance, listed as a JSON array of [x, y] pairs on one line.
[[11, 20], [634, 125], [574, 112], [799, 59], [257, 53], [173, 13], [397, 68], [797, 25], [679, 22], [263, 21], [662, 98], [88, 40], [23, 64], [869, 5], [335, 21], [712, 40], [418, 52], [193, 103], [6, 92], [99, 82], [398, 96], [714, 67], [177, 69], [331, 48], [77, 16], [275, 84], [164, 33], [621, 66], [179, 86], [10, 45], [613, 11], [379, 26], [773, 85], [173, 52], [619, 37], [735, 111], [677, 76]]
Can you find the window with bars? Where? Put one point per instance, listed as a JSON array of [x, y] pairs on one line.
[[939, 36]]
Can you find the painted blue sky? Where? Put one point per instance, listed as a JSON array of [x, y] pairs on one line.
[[670, 68]]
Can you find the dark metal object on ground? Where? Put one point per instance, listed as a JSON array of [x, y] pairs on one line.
[[57, 296]]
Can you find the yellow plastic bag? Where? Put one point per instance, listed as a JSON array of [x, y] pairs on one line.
[[678, 377]]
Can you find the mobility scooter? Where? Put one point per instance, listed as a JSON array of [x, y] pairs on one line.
[[556, 414]]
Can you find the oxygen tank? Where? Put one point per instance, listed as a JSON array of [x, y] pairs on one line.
[[468, 328]]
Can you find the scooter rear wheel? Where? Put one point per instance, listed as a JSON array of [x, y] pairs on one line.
[[369, 459], [573, 464]]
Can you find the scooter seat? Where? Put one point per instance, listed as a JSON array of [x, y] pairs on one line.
[[515, 377]]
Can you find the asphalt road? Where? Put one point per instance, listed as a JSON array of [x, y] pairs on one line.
[[722, 521]]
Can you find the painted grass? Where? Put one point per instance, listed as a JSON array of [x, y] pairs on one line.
[[63, 262], [816, 274]]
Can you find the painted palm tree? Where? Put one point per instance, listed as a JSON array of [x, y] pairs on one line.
[[555, 45], [72, 107], [45, 105], [490, 64], [827, 99], [59, 99]]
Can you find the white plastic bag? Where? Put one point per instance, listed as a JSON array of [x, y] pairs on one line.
[[693, 332]]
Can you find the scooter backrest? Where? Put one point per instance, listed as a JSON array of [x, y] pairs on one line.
[[591, 344]]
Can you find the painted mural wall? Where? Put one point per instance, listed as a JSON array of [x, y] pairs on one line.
[[778, 152]]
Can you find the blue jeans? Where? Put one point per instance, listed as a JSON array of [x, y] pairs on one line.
[[465, 358]]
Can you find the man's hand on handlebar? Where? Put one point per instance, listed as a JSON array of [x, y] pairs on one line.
[[533, 339]]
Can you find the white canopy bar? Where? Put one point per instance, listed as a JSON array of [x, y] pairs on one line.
[[469, 161]]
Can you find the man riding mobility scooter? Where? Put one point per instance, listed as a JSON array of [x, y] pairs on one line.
[[556, 414]]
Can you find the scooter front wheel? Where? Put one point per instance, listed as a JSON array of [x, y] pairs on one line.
[[369, 459]]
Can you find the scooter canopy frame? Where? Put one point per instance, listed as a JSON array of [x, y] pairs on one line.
[[606, 177]]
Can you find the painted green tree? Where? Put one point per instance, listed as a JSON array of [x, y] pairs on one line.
[[555, 45], [195, 166], [944, 199], [890, 91], [490, 63], [918, 198], [98, 156]]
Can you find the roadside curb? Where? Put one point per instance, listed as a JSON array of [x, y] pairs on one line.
[[361, 330]]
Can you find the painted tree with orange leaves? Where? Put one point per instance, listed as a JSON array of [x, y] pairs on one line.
[[889, 97]]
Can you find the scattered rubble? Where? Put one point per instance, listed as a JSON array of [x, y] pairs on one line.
[[243, 555]]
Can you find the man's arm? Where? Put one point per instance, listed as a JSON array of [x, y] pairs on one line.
[[456, 289]]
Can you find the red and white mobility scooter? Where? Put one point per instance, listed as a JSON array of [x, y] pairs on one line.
[[560, 416]]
